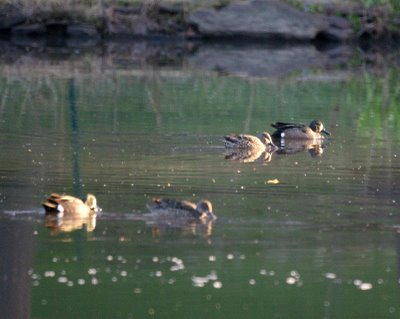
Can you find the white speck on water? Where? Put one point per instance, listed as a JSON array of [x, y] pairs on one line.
[[291, 280], [380, 281], [49, 273], [124, 273], [109, 258], [198, 281], [62, 279], [176, 267], [155, 259], [263, 272], [152, 311], [158, 273], [295, 274], [212, 275], [271, 273], [137, 291], [55, 259], [242, 257], [365, 286], [252, 282], [92, 271], [94, 281], [357, 282], [229, 256], [81, 281], [330, 275], [217, 284], [212, 258], [114, 279], [70, 284], [171, 281]]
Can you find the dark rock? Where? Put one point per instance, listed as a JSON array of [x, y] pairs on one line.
[[10, 16], [27, 30], [171, 8], [135, 25], [267, 19], [83, 30]]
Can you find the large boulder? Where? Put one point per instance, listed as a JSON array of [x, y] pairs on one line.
[[268, 19]]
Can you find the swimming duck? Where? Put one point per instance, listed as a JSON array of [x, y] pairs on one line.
[[262, 142], [299, 131], [69, 206], [182, 209]]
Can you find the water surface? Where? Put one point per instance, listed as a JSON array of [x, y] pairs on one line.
[[302, 235]]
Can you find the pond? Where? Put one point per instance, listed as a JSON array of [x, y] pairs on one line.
[[312, 233]]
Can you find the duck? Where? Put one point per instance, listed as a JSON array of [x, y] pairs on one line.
[[262, 142], [299, 131], [182, 209], [60, 206]]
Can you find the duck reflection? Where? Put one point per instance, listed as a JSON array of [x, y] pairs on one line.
[[248, 148], [248, 155], [69, 224], [314, 147], [169, 215]]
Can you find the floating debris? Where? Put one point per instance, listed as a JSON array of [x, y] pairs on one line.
[[273, 181]]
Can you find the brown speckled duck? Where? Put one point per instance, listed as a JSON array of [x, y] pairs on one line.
[[182, 209], [262, 142], [68, 206]]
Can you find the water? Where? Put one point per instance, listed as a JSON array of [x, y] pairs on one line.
[[300, 235]]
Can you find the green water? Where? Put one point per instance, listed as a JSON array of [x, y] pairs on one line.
[[322, 242]]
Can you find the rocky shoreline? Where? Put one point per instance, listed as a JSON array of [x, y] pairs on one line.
[[258, 20]]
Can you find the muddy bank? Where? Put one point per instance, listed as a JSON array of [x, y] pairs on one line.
[[241, 20]]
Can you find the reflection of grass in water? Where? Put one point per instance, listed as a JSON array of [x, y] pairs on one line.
[[187, 101], [380, 111]]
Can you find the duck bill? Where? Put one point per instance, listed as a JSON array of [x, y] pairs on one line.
[[326, 132]]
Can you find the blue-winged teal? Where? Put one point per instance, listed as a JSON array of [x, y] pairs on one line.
[[182, 209], [69, 206], [299, 131], [262, 142]]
